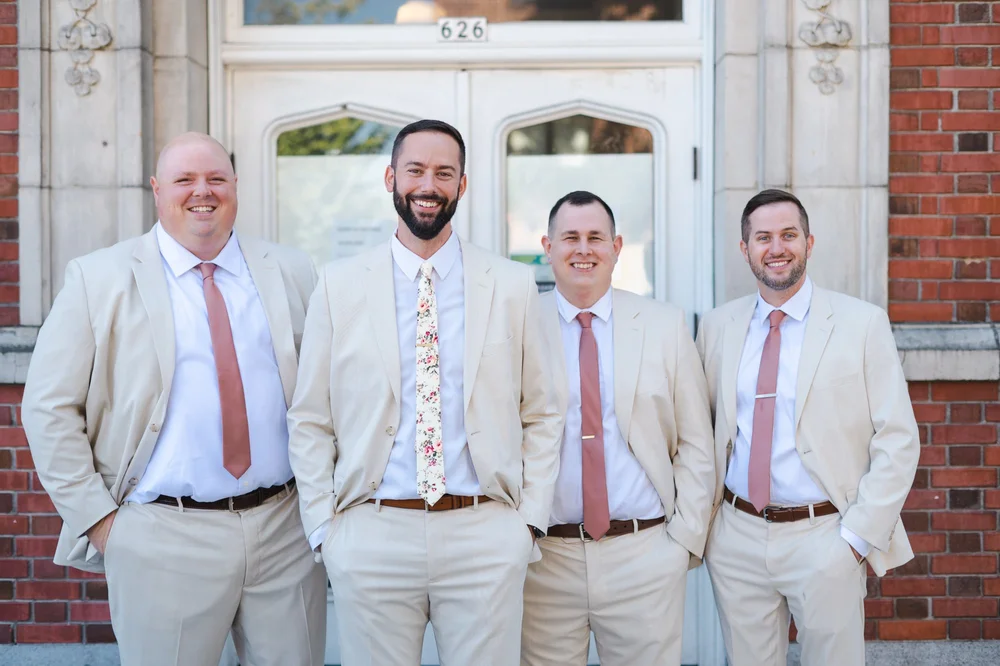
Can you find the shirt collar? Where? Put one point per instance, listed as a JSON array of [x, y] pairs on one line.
[[796, 307], [443, 260], [601, 309], [180, 260]]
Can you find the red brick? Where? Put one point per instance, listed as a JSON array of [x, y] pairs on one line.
[[13, 480], [12, 611], [928, 206], [904, 34], [925, 499], [929, 78], [89, 612], [877, 608], [933, 456], [965, 391], [51, 611], [928, 413], [47, 569], [13, 525], [965, 629], [35, 503], [920, 268], [970, 269], [36, 546], [970, 413], [970, 205], [23, 459], [13, 568], [991, 629], [920, 226], [973, 57], [939, 12], [964, 477], [965, 521], [964, 564], [48, 633], [922, 184], [921, 57], [42, 525], [969, 162], [965, 607], [965, 121], [904, 290], [926, 99], [12, 438], [56, 590], [965, 77], [964, 434], [970, 34], [978, 183], [991, 587], [904, 122], [973, 99], [920, 312], [924, 142], [930, 35], [972, 291], [909, 630], [991, 455]]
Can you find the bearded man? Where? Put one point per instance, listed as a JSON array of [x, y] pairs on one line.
[[423, 434], [816, 448]]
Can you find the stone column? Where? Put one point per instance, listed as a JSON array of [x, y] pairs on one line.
[[180, 68], [87, 152], [803, 104]]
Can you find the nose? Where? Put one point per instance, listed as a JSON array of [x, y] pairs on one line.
[[201, 187], [776, 246]]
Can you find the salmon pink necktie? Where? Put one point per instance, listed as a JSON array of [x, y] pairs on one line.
[[235, 429], [596, 515], [763, 415]]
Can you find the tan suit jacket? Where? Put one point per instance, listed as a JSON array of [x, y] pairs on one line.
[[661, 403], [101, 371], [854, 426], [343, 419]]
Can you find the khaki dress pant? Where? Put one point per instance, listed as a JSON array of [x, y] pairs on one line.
[[394, 570], [180, 581], [764, 572], [628, 589]]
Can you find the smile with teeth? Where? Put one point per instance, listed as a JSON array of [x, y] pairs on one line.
[[778, 264], [425, 203], [583, 265], [202, 209]]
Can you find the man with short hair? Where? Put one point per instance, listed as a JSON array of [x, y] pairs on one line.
[[637, 471], [424, 436], [155, 410], [816, 447]]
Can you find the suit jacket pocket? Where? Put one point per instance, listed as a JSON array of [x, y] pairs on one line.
[[494, 348]]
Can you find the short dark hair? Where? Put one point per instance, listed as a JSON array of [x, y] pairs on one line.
[[580, 198], [429, 126], [766, 198]]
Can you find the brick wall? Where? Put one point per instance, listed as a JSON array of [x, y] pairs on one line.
[[951, 589], [9, 278], [944, 161], [39, 601]]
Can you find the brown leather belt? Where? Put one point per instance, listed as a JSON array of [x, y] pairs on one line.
[[618, 527], [780, 514], [251, 500], [446, 503]]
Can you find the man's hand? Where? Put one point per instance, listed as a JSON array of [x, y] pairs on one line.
[[98, 534], [857, 555], [531, 530]]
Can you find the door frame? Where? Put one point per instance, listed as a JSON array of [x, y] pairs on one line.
[[232, 47]]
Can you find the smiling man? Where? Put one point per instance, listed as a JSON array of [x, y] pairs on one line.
[[637, 471], [155, 411], [816, 448], [424, 433]]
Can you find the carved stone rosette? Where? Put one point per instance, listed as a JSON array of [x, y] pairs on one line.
[[81, 38], [826, 36]]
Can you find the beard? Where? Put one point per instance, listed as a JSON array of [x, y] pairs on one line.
[[424, 230], [798, 269]]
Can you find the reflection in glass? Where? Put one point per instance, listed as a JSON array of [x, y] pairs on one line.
[[358, 12], [331, 198], [612, 160]]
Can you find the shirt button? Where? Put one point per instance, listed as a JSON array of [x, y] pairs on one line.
[[132, 481], [389, 430], [155, 427]]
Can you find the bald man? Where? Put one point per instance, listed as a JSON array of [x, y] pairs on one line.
[[155, 411]]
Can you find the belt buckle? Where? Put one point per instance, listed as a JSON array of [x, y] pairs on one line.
[[766, 514], [584, 537], [232, 505]]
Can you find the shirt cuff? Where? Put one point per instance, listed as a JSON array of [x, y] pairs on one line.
[[859, 544], [318, 535]]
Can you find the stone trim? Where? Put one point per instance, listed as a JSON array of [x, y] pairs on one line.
[[930, 352]]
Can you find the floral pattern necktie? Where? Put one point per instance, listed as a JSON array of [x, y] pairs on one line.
[[430, 452]]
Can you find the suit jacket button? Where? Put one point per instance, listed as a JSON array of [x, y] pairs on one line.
[[155, 427], [389, 430], [132, 481]]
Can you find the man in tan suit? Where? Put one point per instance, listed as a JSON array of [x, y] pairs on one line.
[[155, 410], [816, 447], [637, 470], [424, 433]]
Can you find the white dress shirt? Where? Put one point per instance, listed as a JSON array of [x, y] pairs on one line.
[[791, 484], [630, 493], [187, 459], [400, 478]]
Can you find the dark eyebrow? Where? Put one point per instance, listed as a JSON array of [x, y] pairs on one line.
[[446, 167]]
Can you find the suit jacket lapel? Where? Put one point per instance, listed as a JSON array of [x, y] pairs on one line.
[[380, 293], [270, 286], [147, 268], [479, 285], [627, 354], [732, 351], [817, 334]]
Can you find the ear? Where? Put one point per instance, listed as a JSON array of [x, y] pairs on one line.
[[390, 178], [547, 248], [746, 251], [462, 184], [156, 188], [809, 245], [617, 245]]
